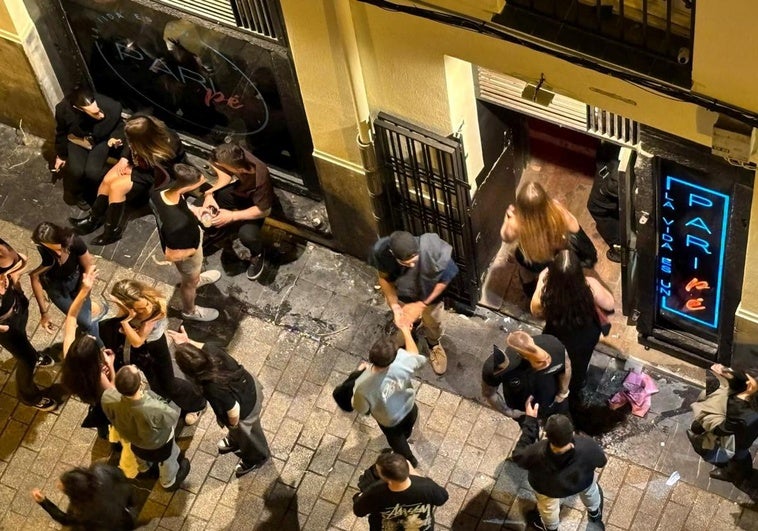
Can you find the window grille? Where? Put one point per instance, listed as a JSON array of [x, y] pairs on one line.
[[259, 17]]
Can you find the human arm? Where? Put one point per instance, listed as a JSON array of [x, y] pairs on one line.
[[530, 430], [410, 345], [14, 273], [41, 298], [509, 229], [600, 294], [535, 306], [222, 180], [86, 261], [233, 415], [224, 216], [571, 222], [52, 509], [181, 336], [61, 134], [497, 402], [69, 325]]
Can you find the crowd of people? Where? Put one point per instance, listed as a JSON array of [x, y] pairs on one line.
[[118, 354]]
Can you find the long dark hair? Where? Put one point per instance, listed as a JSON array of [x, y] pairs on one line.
[[81, 96], [80, 373], [567, 300], [80, 485], [52, 234], [205, 367]]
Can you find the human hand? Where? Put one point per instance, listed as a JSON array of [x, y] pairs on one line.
[[516, 414], [115, 142], [210, 201], [38, 496], [58, 164], [88, 278], [123, 166], [411, 313], [222, 218], [531, 408], [46, 324], [179, 336], [4, 329], [363, 365], [718, 368]]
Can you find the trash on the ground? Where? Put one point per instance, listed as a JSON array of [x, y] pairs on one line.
[[638, 390], [673, 478]]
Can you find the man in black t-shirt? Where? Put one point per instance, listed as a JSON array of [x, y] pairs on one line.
[[530, 366], [401, 500], [181, 239]]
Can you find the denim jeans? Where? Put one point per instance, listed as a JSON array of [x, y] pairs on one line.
[[167, 469], [63, 292], [550, 508]]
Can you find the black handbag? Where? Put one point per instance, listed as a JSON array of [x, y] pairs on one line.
[[343, 393], [581, 244]]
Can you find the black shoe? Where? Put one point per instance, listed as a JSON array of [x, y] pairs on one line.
[[226, 446], [255, 269], [83, 205], [46, 404], [86, 225], [243, 468], [184, 470], [43, 360], [722, 474], [597, 516], [614, 254], [115, 223]]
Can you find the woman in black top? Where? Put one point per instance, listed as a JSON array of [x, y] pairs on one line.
[[566, 298], [88, 128], [234, 394], [14, 315], [100, 499], [65, 259], [151, 153]]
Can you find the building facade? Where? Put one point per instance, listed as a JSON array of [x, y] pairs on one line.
[[412, 114]]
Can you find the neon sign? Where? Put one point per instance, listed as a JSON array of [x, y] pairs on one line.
[[692, 229]]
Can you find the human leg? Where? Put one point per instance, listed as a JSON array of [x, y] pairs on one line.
[[549, 509], [397, 436], [115, 215], [250, 236], [190, 271], [432, 321], [592, 497], [248, 435], [73, 173], [169, 468], [15, 341]]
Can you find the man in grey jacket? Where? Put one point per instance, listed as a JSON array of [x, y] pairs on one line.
[[414, 271], [147, 421]]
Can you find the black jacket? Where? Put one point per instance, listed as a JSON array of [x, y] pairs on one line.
[[69, 120], [741, 420], [111, 510], [557, 475]]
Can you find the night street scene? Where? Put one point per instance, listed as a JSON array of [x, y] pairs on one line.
[[378, 265]]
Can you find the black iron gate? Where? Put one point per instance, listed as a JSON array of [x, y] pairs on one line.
[[427, 190]]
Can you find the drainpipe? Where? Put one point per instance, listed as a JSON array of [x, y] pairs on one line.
[[363, 117]]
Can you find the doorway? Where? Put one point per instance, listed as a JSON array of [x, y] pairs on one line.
[[565, 162]]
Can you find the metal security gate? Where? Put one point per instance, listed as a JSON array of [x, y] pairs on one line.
[[427, 190]]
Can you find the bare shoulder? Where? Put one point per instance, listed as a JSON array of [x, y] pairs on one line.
[[568, 217]]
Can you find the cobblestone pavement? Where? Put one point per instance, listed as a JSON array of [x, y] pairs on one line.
[[301, 329]]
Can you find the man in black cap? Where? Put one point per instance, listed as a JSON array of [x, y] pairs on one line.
[[530, 366], [559, 466], [414, 271]]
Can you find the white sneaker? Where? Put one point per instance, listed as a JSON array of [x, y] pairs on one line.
[[208, 277], [201, 314]]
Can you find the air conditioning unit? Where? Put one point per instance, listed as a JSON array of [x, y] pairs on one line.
[[733, 140]]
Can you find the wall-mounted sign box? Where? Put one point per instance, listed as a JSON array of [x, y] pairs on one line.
[[692, 227]]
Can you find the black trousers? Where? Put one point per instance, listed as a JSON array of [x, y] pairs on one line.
[[397, 435], [17, 343], [248, 231], [84, 171]]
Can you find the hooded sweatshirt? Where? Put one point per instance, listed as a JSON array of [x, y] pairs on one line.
[[557, 475]]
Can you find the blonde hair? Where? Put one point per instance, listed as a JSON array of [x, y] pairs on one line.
[[542, 226], [149, 140], [129, 291]]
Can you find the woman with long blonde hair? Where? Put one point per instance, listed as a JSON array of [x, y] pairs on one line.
[[539, 227], [143, 314], [151, 152]]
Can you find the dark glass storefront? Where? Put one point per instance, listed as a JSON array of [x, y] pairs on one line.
[[209, 84]]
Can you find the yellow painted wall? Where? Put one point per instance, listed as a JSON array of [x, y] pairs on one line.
[[726, 52]]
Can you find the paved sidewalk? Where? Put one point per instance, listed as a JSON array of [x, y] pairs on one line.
[[301, 329]]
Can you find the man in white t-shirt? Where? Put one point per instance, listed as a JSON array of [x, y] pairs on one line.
[[385, 391]]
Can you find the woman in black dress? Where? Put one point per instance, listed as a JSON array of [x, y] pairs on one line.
[[14, 315], [88, 128], [151, 153], [567, 299]]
